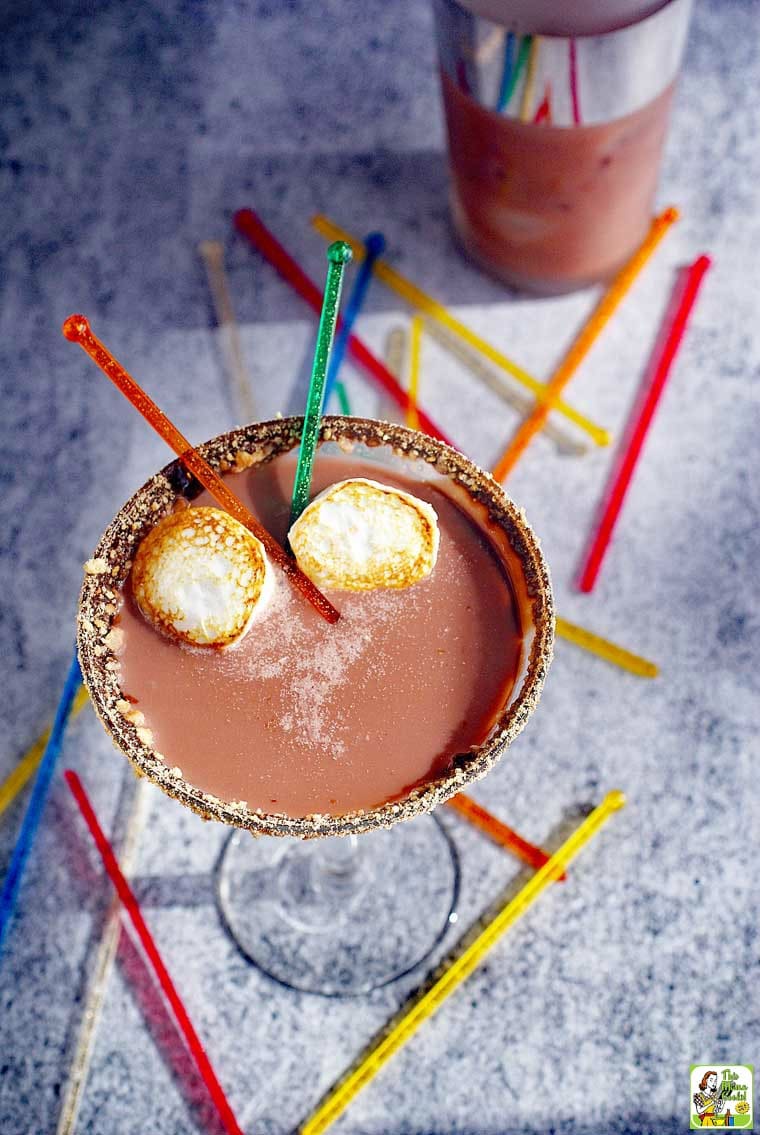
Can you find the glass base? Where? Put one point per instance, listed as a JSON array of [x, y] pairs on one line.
[[341, 916]]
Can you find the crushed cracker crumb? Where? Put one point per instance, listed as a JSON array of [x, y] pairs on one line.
[[97, 566]]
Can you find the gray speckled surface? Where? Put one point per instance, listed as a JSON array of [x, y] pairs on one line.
[[128, 134]]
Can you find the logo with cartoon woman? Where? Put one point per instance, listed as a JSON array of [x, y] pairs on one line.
[[721, 1096], [710, 1105]]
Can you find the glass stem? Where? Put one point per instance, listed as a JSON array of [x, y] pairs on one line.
[[336, 867]]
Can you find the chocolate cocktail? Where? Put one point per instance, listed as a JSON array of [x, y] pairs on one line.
[[300, 728]]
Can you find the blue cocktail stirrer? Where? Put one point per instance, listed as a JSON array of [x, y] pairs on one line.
[[374, 246], [36, 806]]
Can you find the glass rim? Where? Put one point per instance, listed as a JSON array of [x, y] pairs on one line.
[[258, 443]]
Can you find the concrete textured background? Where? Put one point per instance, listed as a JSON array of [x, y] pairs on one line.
[[129, 133]]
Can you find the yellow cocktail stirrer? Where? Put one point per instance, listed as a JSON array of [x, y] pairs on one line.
[[605, 649], [425, 1006], [526, 101], [27, 766]]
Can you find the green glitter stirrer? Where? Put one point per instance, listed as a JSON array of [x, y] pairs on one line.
[[338, 255]]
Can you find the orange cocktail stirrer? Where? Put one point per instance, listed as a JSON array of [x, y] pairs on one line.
[[583, 343], [499, 832], [77, 330]]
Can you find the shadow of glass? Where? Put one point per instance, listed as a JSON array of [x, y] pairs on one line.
[[405, 195]]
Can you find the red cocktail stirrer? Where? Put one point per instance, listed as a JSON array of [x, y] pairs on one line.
[[132, 908], [77, 329], [677, 314], [544, 112], [251, 226], [165, 1033], [574, 93]]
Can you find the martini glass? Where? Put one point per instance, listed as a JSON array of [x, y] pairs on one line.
[[333, 916]]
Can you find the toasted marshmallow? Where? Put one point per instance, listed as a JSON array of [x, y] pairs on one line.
[[200, 576], [359, 535]]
